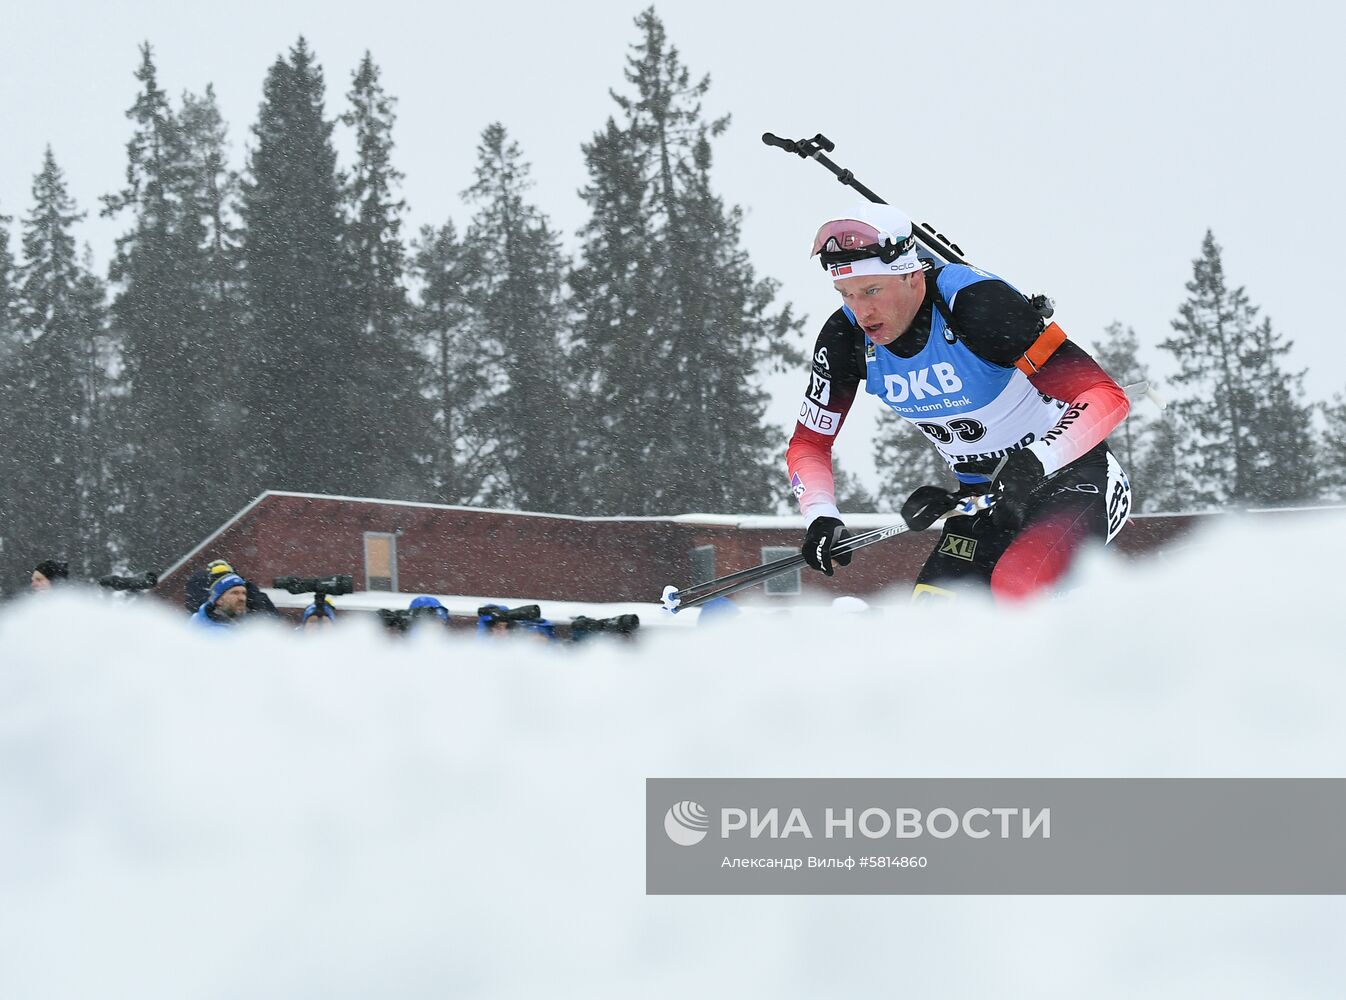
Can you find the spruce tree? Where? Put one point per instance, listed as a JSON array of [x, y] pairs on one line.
[[675, 327], [459, 388], [1214, 406], [9, 315], [1239, 403], [726, 330], [1332, 455], [213, 246], [392, 425], [11, 417], [1150, 448], [168, 320], [56, 503], [300, 399], [377, 297], [100, 499], [621, 359], [1164, 478], [1284, 463], [519, 327]]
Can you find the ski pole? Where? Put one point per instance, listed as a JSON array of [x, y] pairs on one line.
[[734, 582], [675, 600], [757, 574], [933, 503]]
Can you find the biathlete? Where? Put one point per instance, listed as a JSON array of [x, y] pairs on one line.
[[1020, 413]]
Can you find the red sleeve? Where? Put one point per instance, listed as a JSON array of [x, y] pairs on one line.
[[809, 459], [1097, 405], [827, 399]]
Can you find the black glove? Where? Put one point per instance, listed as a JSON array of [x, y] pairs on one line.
[[926, 505], [823, 536], [1013, 486]]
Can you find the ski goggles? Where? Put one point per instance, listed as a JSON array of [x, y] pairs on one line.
[[844, 240]]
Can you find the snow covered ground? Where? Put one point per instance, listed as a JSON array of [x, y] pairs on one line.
[[271, 815]]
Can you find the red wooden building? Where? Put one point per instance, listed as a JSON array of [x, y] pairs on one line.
[[422, 548]]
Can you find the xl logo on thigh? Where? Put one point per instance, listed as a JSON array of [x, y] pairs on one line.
[[958, 547]]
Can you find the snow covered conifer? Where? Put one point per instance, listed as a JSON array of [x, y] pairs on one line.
[[175, 316], [674, 328], [212, 247], [458, 389], [299, 397], [1284, 468], [1332, 455], [518, 320], [8, 296], [1241, 411], [57, 385], [392, 428], [10, 415]]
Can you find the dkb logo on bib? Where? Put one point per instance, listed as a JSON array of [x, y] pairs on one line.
[[917, 384]]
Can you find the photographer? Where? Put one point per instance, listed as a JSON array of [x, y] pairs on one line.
[[226, 603], [496, 619], [429, 607], [200, 583], [49, 573], [535, 628], [423, 608], [319, 615]]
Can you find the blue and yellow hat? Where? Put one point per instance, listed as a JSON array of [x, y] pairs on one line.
[[227, 582]]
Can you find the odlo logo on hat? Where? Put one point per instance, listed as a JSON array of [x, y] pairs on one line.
[[686, 823]]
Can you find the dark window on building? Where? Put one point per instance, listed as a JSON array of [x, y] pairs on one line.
[[787, 584], [703, 564]]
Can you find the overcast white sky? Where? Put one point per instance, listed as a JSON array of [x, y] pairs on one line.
[[1072, 149]]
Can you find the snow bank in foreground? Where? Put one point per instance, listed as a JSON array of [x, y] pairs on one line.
[[267, 815]]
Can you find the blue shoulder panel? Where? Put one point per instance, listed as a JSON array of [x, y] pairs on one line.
[[953, 278]]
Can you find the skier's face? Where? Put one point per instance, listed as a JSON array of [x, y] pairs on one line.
[[884, 304]]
